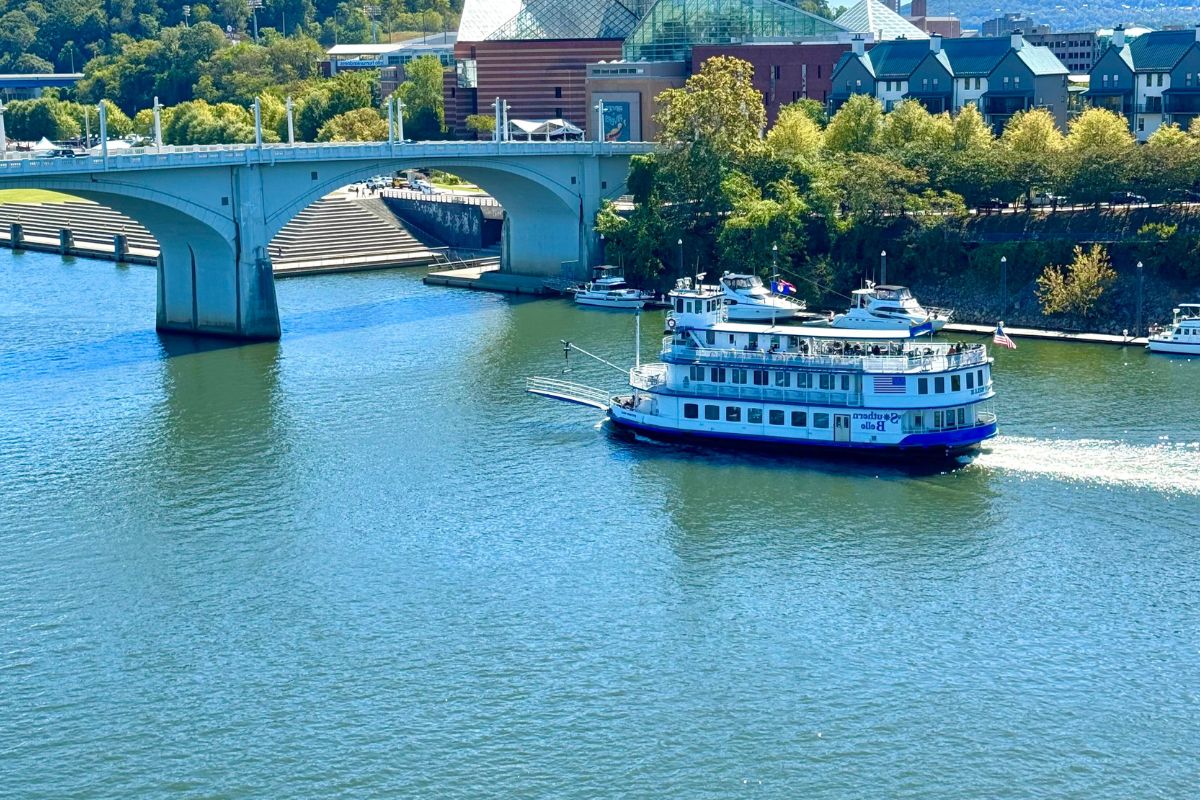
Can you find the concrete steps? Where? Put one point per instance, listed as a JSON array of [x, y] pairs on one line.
[[333, 234]]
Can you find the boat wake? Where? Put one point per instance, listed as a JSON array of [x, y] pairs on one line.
[[1169, 467]]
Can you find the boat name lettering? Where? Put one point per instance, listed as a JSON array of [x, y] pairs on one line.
[[880, 421]]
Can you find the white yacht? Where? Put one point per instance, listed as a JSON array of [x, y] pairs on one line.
[[889, 308], [608, 289], [747, 300], [796, 387], [1182, 336]]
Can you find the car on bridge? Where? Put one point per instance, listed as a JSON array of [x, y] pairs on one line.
[[58, 152]]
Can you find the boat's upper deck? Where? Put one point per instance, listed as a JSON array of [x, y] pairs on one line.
[[793, 346]]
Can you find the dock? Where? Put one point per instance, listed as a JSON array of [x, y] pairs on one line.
[[1038, 333]]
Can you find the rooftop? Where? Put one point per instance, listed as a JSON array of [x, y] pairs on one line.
[[872, 16]]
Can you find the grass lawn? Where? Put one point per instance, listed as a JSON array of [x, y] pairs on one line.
[[34, 196]]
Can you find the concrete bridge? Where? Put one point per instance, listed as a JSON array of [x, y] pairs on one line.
[[214, 209]]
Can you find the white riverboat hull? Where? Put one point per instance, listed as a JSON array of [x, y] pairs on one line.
[[744, 312]]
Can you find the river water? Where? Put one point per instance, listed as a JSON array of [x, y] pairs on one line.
[[362, 562]]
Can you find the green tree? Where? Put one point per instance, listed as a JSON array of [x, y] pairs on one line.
[[424, 109], [1167, 167], [718, 108], [359, 125], [483, 125], [795, 135], [326, 99], [1033, 146], [856, 127], [1076, 288], [30, 120], [1099, 152], [759, 223]]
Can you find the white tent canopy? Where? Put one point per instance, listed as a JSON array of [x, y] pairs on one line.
[[546, 129], [44, 145]]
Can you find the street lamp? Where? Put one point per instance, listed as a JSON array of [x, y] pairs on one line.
[[1138, 326], [187, 15], [1003, 283], [255, 5], [774, 259], [680, 243], [602, 248], [883, 266]]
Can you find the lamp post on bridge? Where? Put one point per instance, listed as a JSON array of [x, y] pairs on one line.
[[157, 124], [3, 134], [291, 127], [400, 120], [391, 117], [258, 135], [103, 134], [600, 137]]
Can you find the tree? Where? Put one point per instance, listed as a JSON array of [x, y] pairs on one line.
[[30, 120], [359, 125], [1099, 152], [326, 99], [1167, 166], [758, 223], [856, 126], [424, 107], [1077, 288], [795, 135], [483, 125], [718, 108], [1033, 146]]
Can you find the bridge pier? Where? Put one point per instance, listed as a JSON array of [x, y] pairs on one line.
[[209, 285]]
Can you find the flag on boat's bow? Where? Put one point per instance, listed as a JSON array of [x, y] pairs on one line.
[[782, 287], [1001, 338]]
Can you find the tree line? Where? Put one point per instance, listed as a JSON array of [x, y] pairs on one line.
[[820, 197]]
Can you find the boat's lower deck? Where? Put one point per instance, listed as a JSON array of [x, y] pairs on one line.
[[943, 430]]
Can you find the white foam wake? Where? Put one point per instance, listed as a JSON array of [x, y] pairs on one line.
[[1171, 467]]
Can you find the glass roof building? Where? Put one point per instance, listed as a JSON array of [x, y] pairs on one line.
[[671, 28]]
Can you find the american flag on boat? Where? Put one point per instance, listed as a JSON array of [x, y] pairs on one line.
[[1001, 338], [890, 385]]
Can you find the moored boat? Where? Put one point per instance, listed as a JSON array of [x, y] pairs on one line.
[[608, 289], [889, 308], [783, 386], [748, 300], [1182, 336]]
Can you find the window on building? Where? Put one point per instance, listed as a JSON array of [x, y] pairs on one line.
[[754, 416], [775, 416], [799, 419], [775, 72], [818, 70], [733, 413], [712, 412], [1187, 79], [1104, 80], [1160, 79], [558, 91], [1005, 81], [924, 84], [858, 83], [558, 113], [820, 420], [1141, 124], [1016, 80], [691, 411], [935, 83]]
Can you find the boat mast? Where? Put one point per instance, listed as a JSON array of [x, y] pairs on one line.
[[637, 339]]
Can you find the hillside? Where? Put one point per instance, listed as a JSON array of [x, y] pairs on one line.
[[1073, 16]]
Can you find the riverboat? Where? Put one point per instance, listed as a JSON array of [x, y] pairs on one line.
[[608, 289], [889, 308], [784, 386], [748, 300], [1182, 336]]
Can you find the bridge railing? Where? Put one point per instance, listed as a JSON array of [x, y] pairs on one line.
[[216, 154]]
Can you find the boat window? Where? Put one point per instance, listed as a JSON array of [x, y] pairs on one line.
[[922, 385], [982, 382], [739, 375], [717, 374], [679, 305], [775, 417], [754, 416], [691, 411], [939, 385], [731, 338], [799, 419], [918, 421], [820, 420], [845, 383], [826, 380], [712, 412], [710, 337], [970, 380], [760, 377], [937, 420], [783, 379], [733, 413], [962, 416], [803, 380], [696, 373], [956, 383], [753, 340]]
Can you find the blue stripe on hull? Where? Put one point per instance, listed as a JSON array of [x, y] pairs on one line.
[[940, 443]]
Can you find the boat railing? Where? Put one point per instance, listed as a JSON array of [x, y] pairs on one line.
[[768, 394], [648, 376], [570, 392], [939, 359]]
